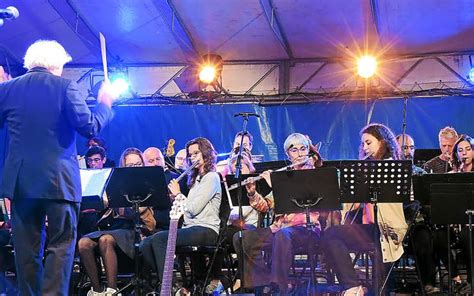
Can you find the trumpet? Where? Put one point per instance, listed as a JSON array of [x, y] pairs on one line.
[[256, 178], [193, 165]]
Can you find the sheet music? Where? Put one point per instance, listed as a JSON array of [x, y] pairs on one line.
[[94, 181]]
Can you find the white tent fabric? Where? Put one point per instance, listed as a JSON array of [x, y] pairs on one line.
[[303, 45]]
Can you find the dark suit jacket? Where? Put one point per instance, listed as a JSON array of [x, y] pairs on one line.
[[43, 112]]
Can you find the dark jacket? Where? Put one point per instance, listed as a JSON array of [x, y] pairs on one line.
[[43, 112]]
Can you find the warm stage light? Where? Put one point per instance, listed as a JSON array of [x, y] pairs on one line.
[[366, 66], [207, 74], [210, 68]]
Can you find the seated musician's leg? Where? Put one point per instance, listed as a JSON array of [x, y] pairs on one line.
[[256, 273], [423, 249], [337, 255], [107, 246], [87, 248]]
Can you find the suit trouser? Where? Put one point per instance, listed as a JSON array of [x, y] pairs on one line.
[[29, 236]]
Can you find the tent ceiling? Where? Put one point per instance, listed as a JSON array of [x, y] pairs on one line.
[[176, 31]]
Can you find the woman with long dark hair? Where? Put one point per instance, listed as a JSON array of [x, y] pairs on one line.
[[463, 154], [201, 215], [377, 143]]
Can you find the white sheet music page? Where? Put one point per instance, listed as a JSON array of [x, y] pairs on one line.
[[93, 181]]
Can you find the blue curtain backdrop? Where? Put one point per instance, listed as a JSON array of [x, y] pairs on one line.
[[335, 124]]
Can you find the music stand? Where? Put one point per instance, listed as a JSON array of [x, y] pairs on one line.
[[304, 191], [375, 181], [458, 210], [421, 156], [93, 183], [136, 187]]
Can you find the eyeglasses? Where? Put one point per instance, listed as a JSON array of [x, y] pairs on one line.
[[131, 165], [91, 160], [302, 149], [404, 147]]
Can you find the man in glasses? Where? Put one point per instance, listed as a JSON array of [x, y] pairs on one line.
[[95, 157]]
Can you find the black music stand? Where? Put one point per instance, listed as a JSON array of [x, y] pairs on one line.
[[375, 181], [458, 210], [421, 156], [304, 191], [422, 189], [136, 187]]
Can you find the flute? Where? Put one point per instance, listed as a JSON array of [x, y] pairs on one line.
[[256, 178], [193, 165]]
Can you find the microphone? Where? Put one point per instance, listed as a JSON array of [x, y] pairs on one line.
[[246, 114], [10, 12]]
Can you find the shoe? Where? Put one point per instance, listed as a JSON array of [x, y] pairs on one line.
[[429, 289], [91, 292], [354, 291], [111, 292]]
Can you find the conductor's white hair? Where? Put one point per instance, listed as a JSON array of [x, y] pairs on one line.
[[48, 54]]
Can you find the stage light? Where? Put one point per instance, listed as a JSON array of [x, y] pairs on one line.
[[471, 75], [207, 74], [119, 83], [366, 66], [210, 68]]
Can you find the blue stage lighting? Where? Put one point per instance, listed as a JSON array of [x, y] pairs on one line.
[[471, 75], [120, 84]]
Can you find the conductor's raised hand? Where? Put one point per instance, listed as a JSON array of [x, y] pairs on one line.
[[106, 94]]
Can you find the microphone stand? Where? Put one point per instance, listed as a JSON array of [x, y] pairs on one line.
[[238, 176]]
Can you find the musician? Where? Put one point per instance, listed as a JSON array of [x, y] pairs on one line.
[[463, 154], [247, 140], [286, 232], [201, 217], [247, 145], [95, 157], [154, 157], [377, 143], [42, 113], [250, 220], [407, 145], [116, 239], [180, 160], [442, 163], [99, 142]]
